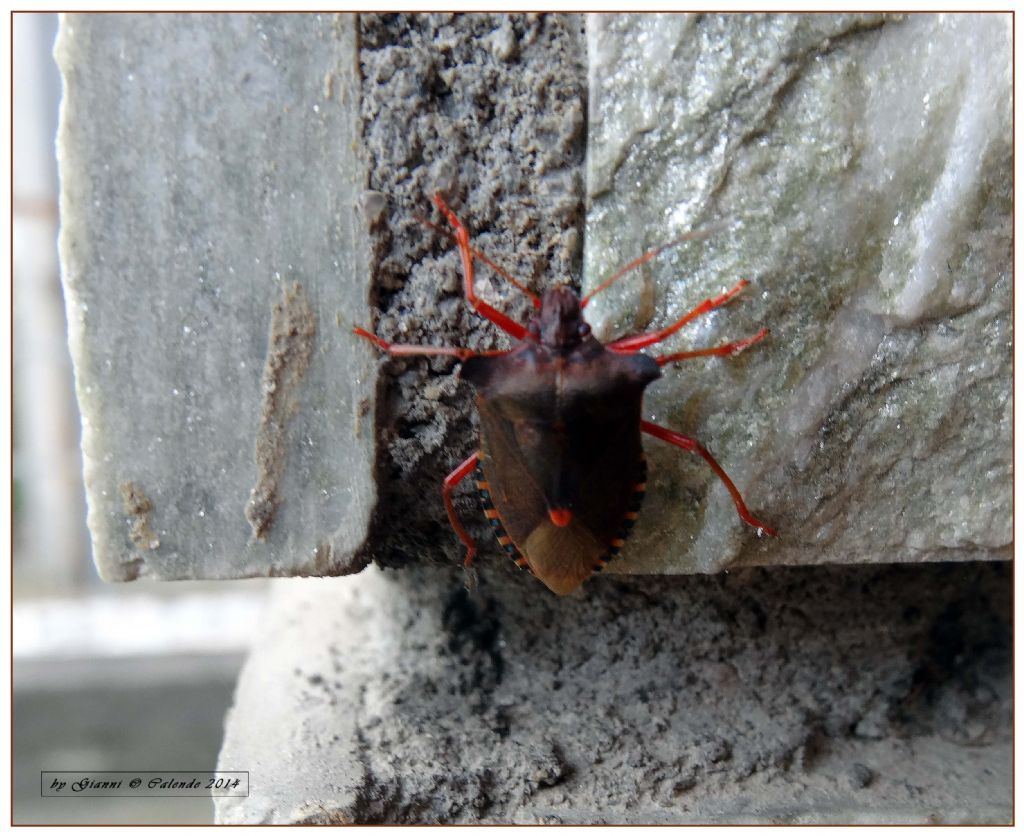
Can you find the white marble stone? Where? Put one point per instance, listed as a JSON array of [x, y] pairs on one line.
[[856, 169], [209, 172]]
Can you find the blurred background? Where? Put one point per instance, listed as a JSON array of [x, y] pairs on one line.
[[106, 677]]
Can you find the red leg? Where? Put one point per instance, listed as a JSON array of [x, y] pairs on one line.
[[690, 445], [721, 350], [400, 350], [696, 235], [505, 323], [638, 341], [501, 271], [451, 480], [469, 465]]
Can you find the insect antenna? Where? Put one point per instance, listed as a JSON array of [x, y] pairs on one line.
[[534, 298], [694, 235]]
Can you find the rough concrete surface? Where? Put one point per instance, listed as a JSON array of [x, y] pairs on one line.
[[793, 694], [213, 260], [490, 110], [857, 170]]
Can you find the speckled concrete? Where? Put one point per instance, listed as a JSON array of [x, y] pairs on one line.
[[491, 110], [786, 695]]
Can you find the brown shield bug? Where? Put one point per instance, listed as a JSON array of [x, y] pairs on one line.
[[560, 469]]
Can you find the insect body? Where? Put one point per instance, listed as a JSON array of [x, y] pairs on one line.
[[560, 469]]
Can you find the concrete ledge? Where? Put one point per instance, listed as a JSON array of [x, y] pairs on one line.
[[797, 695]]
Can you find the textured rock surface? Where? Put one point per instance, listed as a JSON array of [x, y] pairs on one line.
[[859, 170], [211, 264], [812, 694]]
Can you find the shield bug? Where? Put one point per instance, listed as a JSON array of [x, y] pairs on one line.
[[560, 469]]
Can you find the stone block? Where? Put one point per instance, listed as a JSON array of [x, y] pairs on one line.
[[856, 169], [212, 264]]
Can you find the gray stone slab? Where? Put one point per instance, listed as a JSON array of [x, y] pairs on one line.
[[212, 257], [829, 694], [857, 169]]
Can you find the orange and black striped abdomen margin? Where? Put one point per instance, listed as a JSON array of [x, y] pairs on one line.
[[629, 519], [491, 513]]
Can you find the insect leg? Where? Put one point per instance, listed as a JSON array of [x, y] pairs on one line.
[[497, 268], [401, 350], [692, 446], [721, 350], [638, 341], [505, 323], [450, 481], [695, 235]]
